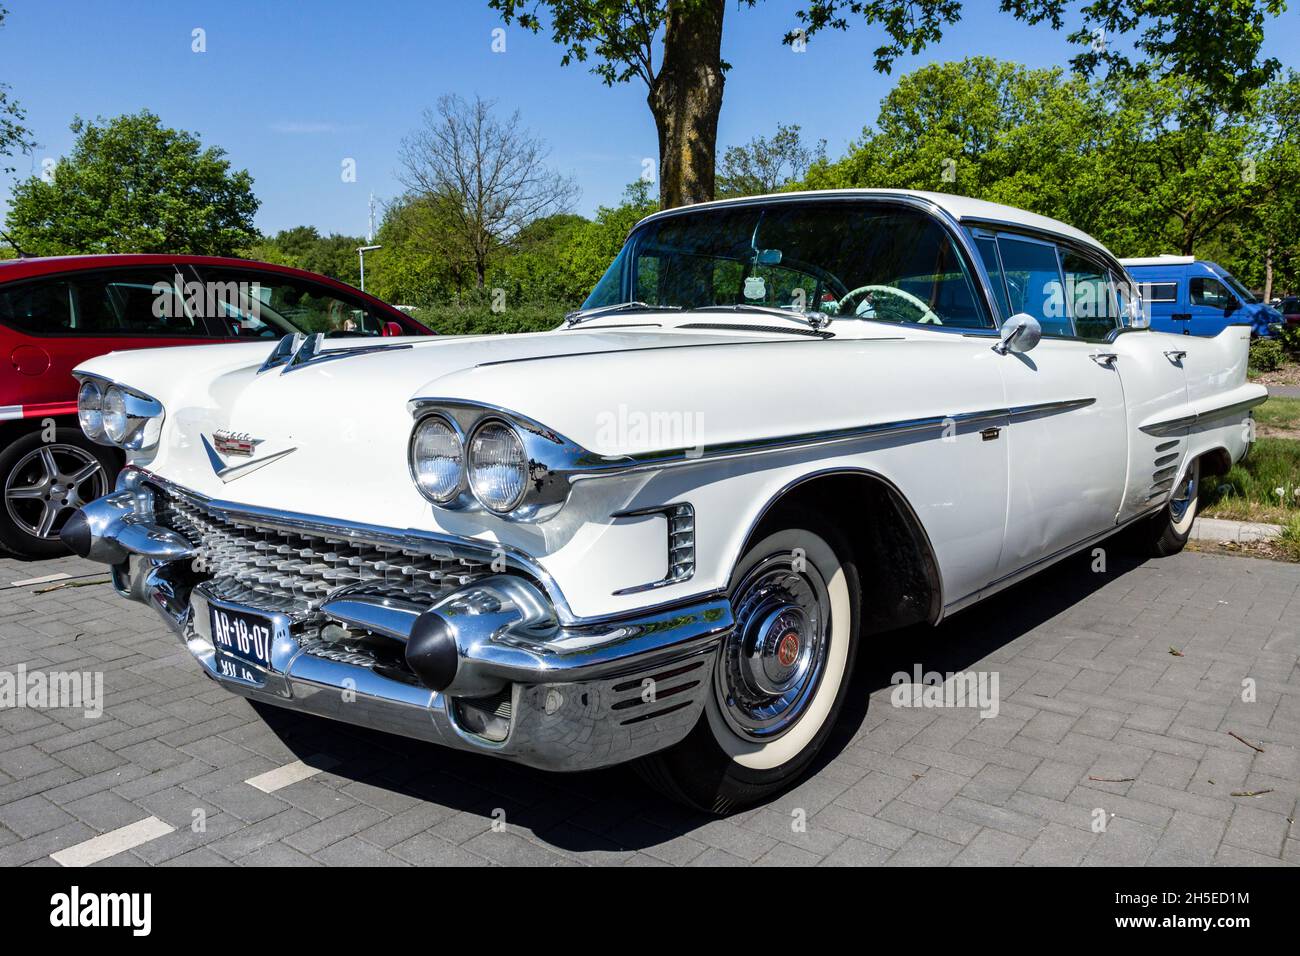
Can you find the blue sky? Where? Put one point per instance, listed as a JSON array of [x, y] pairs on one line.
[[291, 90]]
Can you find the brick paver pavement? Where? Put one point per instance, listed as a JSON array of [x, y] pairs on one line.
[[1117, 693]]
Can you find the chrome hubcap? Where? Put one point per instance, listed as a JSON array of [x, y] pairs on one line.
[[772, 663], [1184, 494], [48, 484]]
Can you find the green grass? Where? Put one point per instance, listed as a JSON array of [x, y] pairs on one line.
[[1250, 491], [1279, 413]]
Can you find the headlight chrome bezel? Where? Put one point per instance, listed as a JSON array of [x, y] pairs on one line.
[[143, 414], [459, 490], [90, 401], [551, 460], [470, 466]]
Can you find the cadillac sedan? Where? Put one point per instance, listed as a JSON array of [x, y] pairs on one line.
[[664, 531]]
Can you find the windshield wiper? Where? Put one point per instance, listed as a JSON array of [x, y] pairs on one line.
[[817, 320], [582, 315]]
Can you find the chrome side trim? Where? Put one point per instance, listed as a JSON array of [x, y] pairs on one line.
[[575, 462], [1174, 425]]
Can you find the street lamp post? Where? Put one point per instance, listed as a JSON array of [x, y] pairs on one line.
[[361, 253]]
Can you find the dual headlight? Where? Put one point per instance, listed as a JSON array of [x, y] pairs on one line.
[[113, 415], [492, 464]]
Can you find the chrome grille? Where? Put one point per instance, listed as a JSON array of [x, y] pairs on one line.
[[288, 570]]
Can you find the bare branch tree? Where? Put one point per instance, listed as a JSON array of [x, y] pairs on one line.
[[488, 178]]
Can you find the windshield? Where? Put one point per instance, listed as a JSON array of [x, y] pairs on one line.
[[1238, 288], [847, 259]]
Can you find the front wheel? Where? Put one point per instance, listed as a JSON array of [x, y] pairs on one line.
[[1166, 532], [780, 677], [44, 483]]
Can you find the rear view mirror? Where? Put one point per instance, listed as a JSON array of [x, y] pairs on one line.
[[1020, 333], [767, 257]]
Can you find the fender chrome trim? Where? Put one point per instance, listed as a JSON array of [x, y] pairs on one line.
[[1172, 426]]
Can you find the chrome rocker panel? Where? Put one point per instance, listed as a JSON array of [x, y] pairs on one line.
[[574, 697]]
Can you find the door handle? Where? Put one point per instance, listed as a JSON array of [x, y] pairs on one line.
[[1175, 355], [1107, 359]]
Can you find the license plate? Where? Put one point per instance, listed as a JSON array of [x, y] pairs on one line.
[[241, 639]]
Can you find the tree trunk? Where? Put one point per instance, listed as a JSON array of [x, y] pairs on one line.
[[1268, 275], [686, 98]]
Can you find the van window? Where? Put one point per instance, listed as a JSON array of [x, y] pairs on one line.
[[1159, 291], [1034, 283], [1210, 292]]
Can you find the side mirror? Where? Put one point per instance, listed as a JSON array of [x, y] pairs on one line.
[[392, 328], [1020, 333], [1230, 308]]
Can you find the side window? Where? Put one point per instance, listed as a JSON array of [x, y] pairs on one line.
[[37, 308], [1127, 300], [1088, 292], [132, 302], [1203, 290], [1033, 281], [265, 306], [988, 250], [1160, 292]]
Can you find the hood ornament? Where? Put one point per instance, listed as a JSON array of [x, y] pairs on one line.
[[298, 351]]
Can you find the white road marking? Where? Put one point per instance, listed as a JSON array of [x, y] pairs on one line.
[[112, 843], [281, 777], [60, 576]]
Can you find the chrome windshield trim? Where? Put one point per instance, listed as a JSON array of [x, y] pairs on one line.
[[1172, 426]]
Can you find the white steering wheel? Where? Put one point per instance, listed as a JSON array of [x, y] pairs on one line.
[[928, 315]]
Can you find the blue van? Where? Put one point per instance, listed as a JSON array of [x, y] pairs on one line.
[[1195, 297]]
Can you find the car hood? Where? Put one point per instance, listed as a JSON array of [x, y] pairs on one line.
[[330, 435]]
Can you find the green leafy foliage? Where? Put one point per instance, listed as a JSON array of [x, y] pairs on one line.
[[303, 247], [1137, 162], [766, 165], [1265, 355], [1213, 44], [131, 184], [14, 136]]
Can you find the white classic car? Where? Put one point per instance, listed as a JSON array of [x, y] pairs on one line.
[[663, 531]]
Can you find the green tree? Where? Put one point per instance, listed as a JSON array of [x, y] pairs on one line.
[[13, 134], [766, 165], [486, 176], [675, 48], [303, 247], [131, 184], [1139, 162]]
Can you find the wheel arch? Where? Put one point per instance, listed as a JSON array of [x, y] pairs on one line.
[[899, 572]]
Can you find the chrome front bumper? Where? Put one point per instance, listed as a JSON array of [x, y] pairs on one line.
[[513, 681]]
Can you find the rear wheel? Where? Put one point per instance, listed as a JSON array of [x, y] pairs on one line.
[[780, 677], [44, 483], [1166, 532]]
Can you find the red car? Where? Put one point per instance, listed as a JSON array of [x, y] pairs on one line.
[[1290, 309], [58, 312]]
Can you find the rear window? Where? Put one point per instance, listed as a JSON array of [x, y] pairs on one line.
[[37, 308], [122, 302]]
